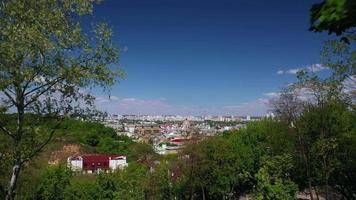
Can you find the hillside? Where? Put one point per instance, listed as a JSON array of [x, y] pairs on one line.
[[73, 137]]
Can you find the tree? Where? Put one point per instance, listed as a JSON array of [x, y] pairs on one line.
[[343, 176], [326, 126], [131, 182], [287, 106], [339, 103], [143, 153], [339, 17], [224, 167], [273, 178], [53, 183], [321, 122], [108, 185], [46, 61], [334, 16], [160, 184], [321, 99], [209, 170], [92, 139], [82, 189], [276, 189], [341, 59]]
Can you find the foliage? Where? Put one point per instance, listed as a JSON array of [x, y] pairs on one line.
[[160, 183], [143, 153], [47, 63], [83, 189], [320, 110], [332, 125], [131, 182], [334, 16], [53, 183], [311, 145], [57, 183], [273, 178], [263, 159], [225, 166], [107, 184], [71, 131]]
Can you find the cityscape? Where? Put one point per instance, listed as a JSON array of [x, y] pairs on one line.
[[177, 100], [169, 133]]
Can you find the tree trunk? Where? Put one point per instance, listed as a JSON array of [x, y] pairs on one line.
[[11, 190], [310, 184], [203, 192], [307, 166], [10, 195], [326, 178], [326, 189], [316, 193]]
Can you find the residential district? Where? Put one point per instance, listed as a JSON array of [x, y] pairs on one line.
[[166, 133], [169, 133]]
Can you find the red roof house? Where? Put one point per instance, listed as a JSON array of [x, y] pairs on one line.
[[98, 162]]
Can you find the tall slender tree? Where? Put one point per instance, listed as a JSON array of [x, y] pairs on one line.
[[48, 56]]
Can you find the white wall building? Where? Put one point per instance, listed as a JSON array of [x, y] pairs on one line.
[[96, 162]]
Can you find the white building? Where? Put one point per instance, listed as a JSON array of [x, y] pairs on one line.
[[95, 163]]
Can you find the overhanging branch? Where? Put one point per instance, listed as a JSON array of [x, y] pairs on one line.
[[34, 98], [49, 84]]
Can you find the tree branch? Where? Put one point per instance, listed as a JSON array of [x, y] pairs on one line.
[[50, 85], [6, 131], [12, 92], [43, 58], [10, 97], [40, 147]]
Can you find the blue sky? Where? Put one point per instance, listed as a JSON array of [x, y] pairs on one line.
[[204, 57]]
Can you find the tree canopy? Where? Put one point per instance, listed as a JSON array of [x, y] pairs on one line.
[[334, 16]]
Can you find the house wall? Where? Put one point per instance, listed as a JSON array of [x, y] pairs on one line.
[[76, 165], [117, 163]]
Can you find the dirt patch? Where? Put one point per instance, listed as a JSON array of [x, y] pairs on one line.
[[62, 154]]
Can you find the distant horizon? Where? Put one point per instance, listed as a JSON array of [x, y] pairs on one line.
[[238, 116]]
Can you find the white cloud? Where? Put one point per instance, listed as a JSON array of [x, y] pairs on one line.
[[316, 68], [294, 71], [113, 104], [280, 72], [114, 98], [272, 94], [101, 100], [350, 87], [311, 68], [257, 107], [162, 106]]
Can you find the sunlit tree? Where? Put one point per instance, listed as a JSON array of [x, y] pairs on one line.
[[47, 60]]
